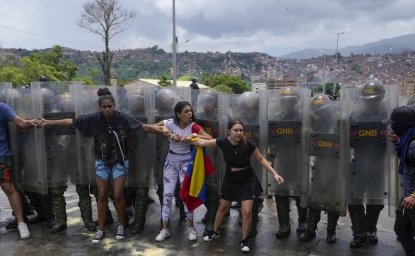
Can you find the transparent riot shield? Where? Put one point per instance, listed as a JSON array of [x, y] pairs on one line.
[[206, 114], [31, 145], [59, 141], [284, 137], [326, 156], [134, 101], [372, 181]]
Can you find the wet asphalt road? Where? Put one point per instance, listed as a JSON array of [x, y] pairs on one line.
[[76, 240]]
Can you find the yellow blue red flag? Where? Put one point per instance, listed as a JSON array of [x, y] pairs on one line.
[[193, 190]]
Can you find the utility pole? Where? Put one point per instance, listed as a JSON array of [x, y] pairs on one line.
[[337, 48], [174, 50], [337, 53]]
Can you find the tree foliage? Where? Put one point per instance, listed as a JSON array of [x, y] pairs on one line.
[[223, 88], [329, 89], [236, 84], [105, 18], [164, 81], [51, 64]]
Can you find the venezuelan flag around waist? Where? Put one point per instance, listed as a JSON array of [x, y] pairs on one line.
[[193, 190]]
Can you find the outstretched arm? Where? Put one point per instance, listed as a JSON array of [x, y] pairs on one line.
[[154, 128], [195, 140], [23, 123], [204, 135], [61, 122], [258, 156]]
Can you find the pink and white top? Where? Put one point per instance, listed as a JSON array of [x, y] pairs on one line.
[[179, 151]]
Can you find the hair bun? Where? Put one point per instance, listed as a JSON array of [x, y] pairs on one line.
[[103, 92]]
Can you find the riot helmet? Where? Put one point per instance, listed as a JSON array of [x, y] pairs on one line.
[[321, 106], [135, 102], [48, 99], [43, 78], [248, 107], [207, 101], [371, 96], [288, 98], [165, 100], [65, 103], [9, 94]]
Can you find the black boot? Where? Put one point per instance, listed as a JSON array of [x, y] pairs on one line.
[[59, 207], [85, 207], [332, 219], [283, 213], [357, 242], [302, 216], [372, 238], [372, 216], [331, 236], [308, 235], [27, 207], [313, 219], [58, 226], [357, 216], [136, 228], [140, 204]]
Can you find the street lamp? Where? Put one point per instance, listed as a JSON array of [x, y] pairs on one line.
[[337, 53], [337, 48]]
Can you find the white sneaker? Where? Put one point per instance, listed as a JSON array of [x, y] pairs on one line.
[[120, 232], [23, 230], [192, 234], [163, 235]]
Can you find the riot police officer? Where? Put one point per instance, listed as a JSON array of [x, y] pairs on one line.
[[132, 101], [78, 175], [58, 149], [287, 152], [364, 181], [322, 195], [207, 117]]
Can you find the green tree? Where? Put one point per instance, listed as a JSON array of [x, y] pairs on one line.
[[329, 89], [235, 83], [105, 18], [223, 88], [164, 81], [53, 64], [357, 68], [50, 63]]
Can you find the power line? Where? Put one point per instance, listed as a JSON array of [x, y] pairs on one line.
[[46, 37], [289, 10]]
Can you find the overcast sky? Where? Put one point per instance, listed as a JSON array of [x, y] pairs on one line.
[[276, 27]]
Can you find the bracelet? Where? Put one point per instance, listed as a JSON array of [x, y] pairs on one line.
[[413, 195]]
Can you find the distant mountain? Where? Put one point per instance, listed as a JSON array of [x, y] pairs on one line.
[[391, 45]]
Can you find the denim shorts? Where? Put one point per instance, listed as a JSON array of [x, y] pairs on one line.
[[104, 170]]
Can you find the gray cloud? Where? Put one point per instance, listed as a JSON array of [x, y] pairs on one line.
[[272, 26]]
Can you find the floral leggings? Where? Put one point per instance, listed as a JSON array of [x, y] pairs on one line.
[[173, 170]]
